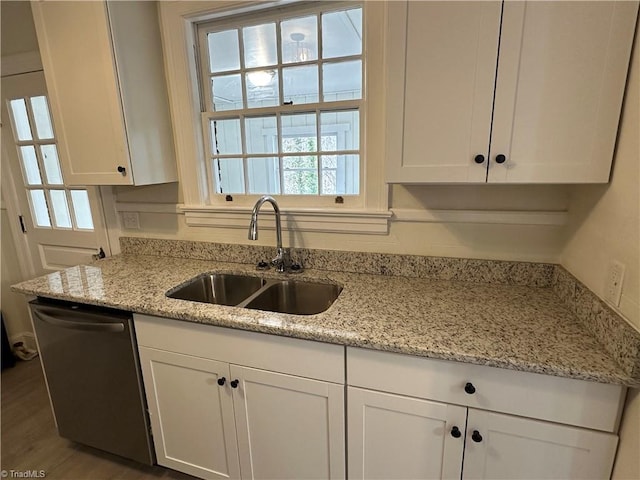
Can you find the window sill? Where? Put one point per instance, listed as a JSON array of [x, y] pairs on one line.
[[370, 222]]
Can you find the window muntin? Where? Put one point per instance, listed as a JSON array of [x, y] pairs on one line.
[[52, 205], [273, 87]]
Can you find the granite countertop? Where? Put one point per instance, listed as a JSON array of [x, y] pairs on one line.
[[508, 326]]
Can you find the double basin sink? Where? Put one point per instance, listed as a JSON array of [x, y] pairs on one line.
[[273, 295]]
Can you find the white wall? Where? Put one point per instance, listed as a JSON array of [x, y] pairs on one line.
[[605, 225]]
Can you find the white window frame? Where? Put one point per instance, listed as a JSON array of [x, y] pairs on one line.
[[365, 213]]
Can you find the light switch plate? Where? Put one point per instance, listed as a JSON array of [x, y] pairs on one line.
[[131, 220]]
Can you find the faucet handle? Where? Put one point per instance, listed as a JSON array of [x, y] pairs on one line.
[[262, 265]]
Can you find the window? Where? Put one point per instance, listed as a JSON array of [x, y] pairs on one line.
[[53, 206], [282, 101]]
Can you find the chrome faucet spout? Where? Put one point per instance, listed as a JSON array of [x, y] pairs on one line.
[[281, 261]]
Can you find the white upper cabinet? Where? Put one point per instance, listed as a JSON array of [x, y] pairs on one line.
[[520, 92], [104, 70]]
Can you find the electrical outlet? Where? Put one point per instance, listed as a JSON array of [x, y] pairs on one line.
[[131, 220], [613, 285]]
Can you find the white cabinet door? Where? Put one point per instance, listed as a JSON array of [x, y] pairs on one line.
[[442, 65], [191, 414], [503, 447], [288, 427], [561, 77], [396, 437], [104, 69]]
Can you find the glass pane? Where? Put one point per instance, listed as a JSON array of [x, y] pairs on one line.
[[51, 164], [30, 165], [261, 134], [224, 52], [340, 130], [342, 33], [262, 88], [342, 81], [82, 209], [264, 175], [300, 84], [40, 109], [299, 133], [226, 92], [20, 119], [229, 175], [340, 174], [225, 136], [300, 175], [39, 208], [299, 39], [60, 208], [260, 45]]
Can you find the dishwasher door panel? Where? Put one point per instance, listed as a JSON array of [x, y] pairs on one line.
[[92, 373]]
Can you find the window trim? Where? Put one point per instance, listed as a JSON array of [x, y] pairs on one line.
[[178, 21]]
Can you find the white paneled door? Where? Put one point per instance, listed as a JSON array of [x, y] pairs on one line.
[[61, 226]]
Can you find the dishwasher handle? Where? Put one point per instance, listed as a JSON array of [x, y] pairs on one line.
[[112, 327]]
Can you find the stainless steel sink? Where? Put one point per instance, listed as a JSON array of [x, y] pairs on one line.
[[299, 298], [219, 288]]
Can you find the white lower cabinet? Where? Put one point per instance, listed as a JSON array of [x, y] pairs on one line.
[[191, 414], [288, 427], [418, 418], [216, 418], [500, 446], [398, 437]]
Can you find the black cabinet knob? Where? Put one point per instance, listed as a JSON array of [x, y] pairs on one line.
[[122, 170], [455, 432], [479, 159], [501, 158], [476, 437], [221, 381], [469, 388], [234, 383]]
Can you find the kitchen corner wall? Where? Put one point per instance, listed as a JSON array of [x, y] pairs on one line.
[[604, 224]]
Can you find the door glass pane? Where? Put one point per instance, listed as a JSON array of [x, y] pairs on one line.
[[40, 109], [260, 45], [342, 81], [51, 164], [299, 39], [224, 52], [229, 175], [264, 175], [40, 209], [226, 92], [261, 133], [342, 33], [262, 88], [30, 165], [300, 175], [226, 136], [81, 209], [60, 208], [300, 84], [20, 119]]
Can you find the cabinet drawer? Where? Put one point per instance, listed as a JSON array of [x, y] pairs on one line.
[[555, 399], [303, 358]]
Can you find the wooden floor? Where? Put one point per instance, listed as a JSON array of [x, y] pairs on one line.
[[30, 441]]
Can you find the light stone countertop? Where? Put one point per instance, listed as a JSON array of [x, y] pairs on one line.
[[508, 326]]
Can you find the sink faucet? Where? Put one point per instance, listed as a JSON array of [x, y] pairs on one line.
[[282, 260]]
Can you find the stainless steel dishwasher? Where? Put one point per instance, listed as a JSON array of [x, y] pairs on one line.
[[92, 370]]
